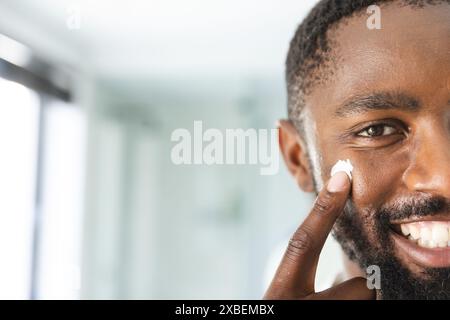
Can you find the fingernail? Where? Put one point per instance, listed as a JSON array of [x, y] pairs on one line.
[[338, 182]]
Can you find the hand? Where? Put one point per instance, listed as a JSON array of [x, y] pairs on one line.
[[295, 275]]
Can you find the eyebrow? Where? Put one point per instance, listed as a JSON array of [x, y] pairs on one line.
[[378, 101]]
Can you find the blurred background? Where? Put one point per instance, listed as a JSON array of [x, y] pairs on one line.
[[92, 206]]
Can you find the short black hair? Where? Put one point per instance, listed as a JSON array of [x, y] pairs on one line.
[[310, 47]]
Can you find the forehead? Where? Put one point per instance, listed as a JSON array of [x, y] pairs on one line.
[[410, 54]]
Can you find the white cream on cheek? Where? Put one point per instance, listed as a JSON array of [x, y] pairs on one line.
[[344, 166]]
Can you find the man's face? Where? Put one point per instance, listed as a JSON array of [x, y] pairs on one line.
[[386, 107]]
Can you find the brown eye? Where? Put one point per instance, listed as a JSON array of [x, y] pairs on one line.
[[377, 131]]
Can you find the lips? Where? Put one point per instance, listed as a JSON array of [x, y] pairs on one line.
[[425, 242]]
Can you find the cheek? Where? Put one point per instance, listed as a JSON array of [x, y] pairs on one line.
[[377, 177]]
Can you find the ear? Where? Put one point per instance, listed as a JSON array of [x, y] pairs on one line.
[[295, 156]]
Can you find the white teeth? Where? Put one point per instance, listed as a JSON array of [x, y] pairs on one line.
[[415, 231], [428, 234], [442, 244], [431, 244], [439, 233], [405, 229], [423, 243], [425, 234]]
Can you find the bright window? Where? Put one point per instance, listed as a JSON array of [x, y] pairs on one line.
[[41, 185], [19, 119], [58, 275]]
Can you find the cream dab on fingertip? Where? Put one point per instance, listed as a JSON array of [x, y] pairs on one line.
[[343, 165]]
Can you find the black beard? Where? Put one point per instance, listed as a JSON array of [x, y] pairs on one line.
[[397, 281]]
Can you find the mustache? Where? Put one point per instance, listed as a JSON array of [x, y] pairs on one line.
[[414, 207]]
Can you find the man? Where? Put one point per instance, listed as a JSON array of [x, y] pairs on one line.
[[379, 97]]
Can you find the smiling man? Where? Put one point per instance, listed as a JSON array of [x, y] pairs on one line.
[[381, 98]]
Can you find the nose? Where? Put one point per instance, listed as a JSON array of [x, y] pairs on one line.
[[429, 168]]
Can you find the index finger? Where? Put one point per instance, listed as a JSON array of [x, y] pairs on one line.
[[296, 272]]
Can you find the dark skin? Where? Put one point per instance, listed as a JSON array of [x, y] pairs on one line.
[[386, 107]]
